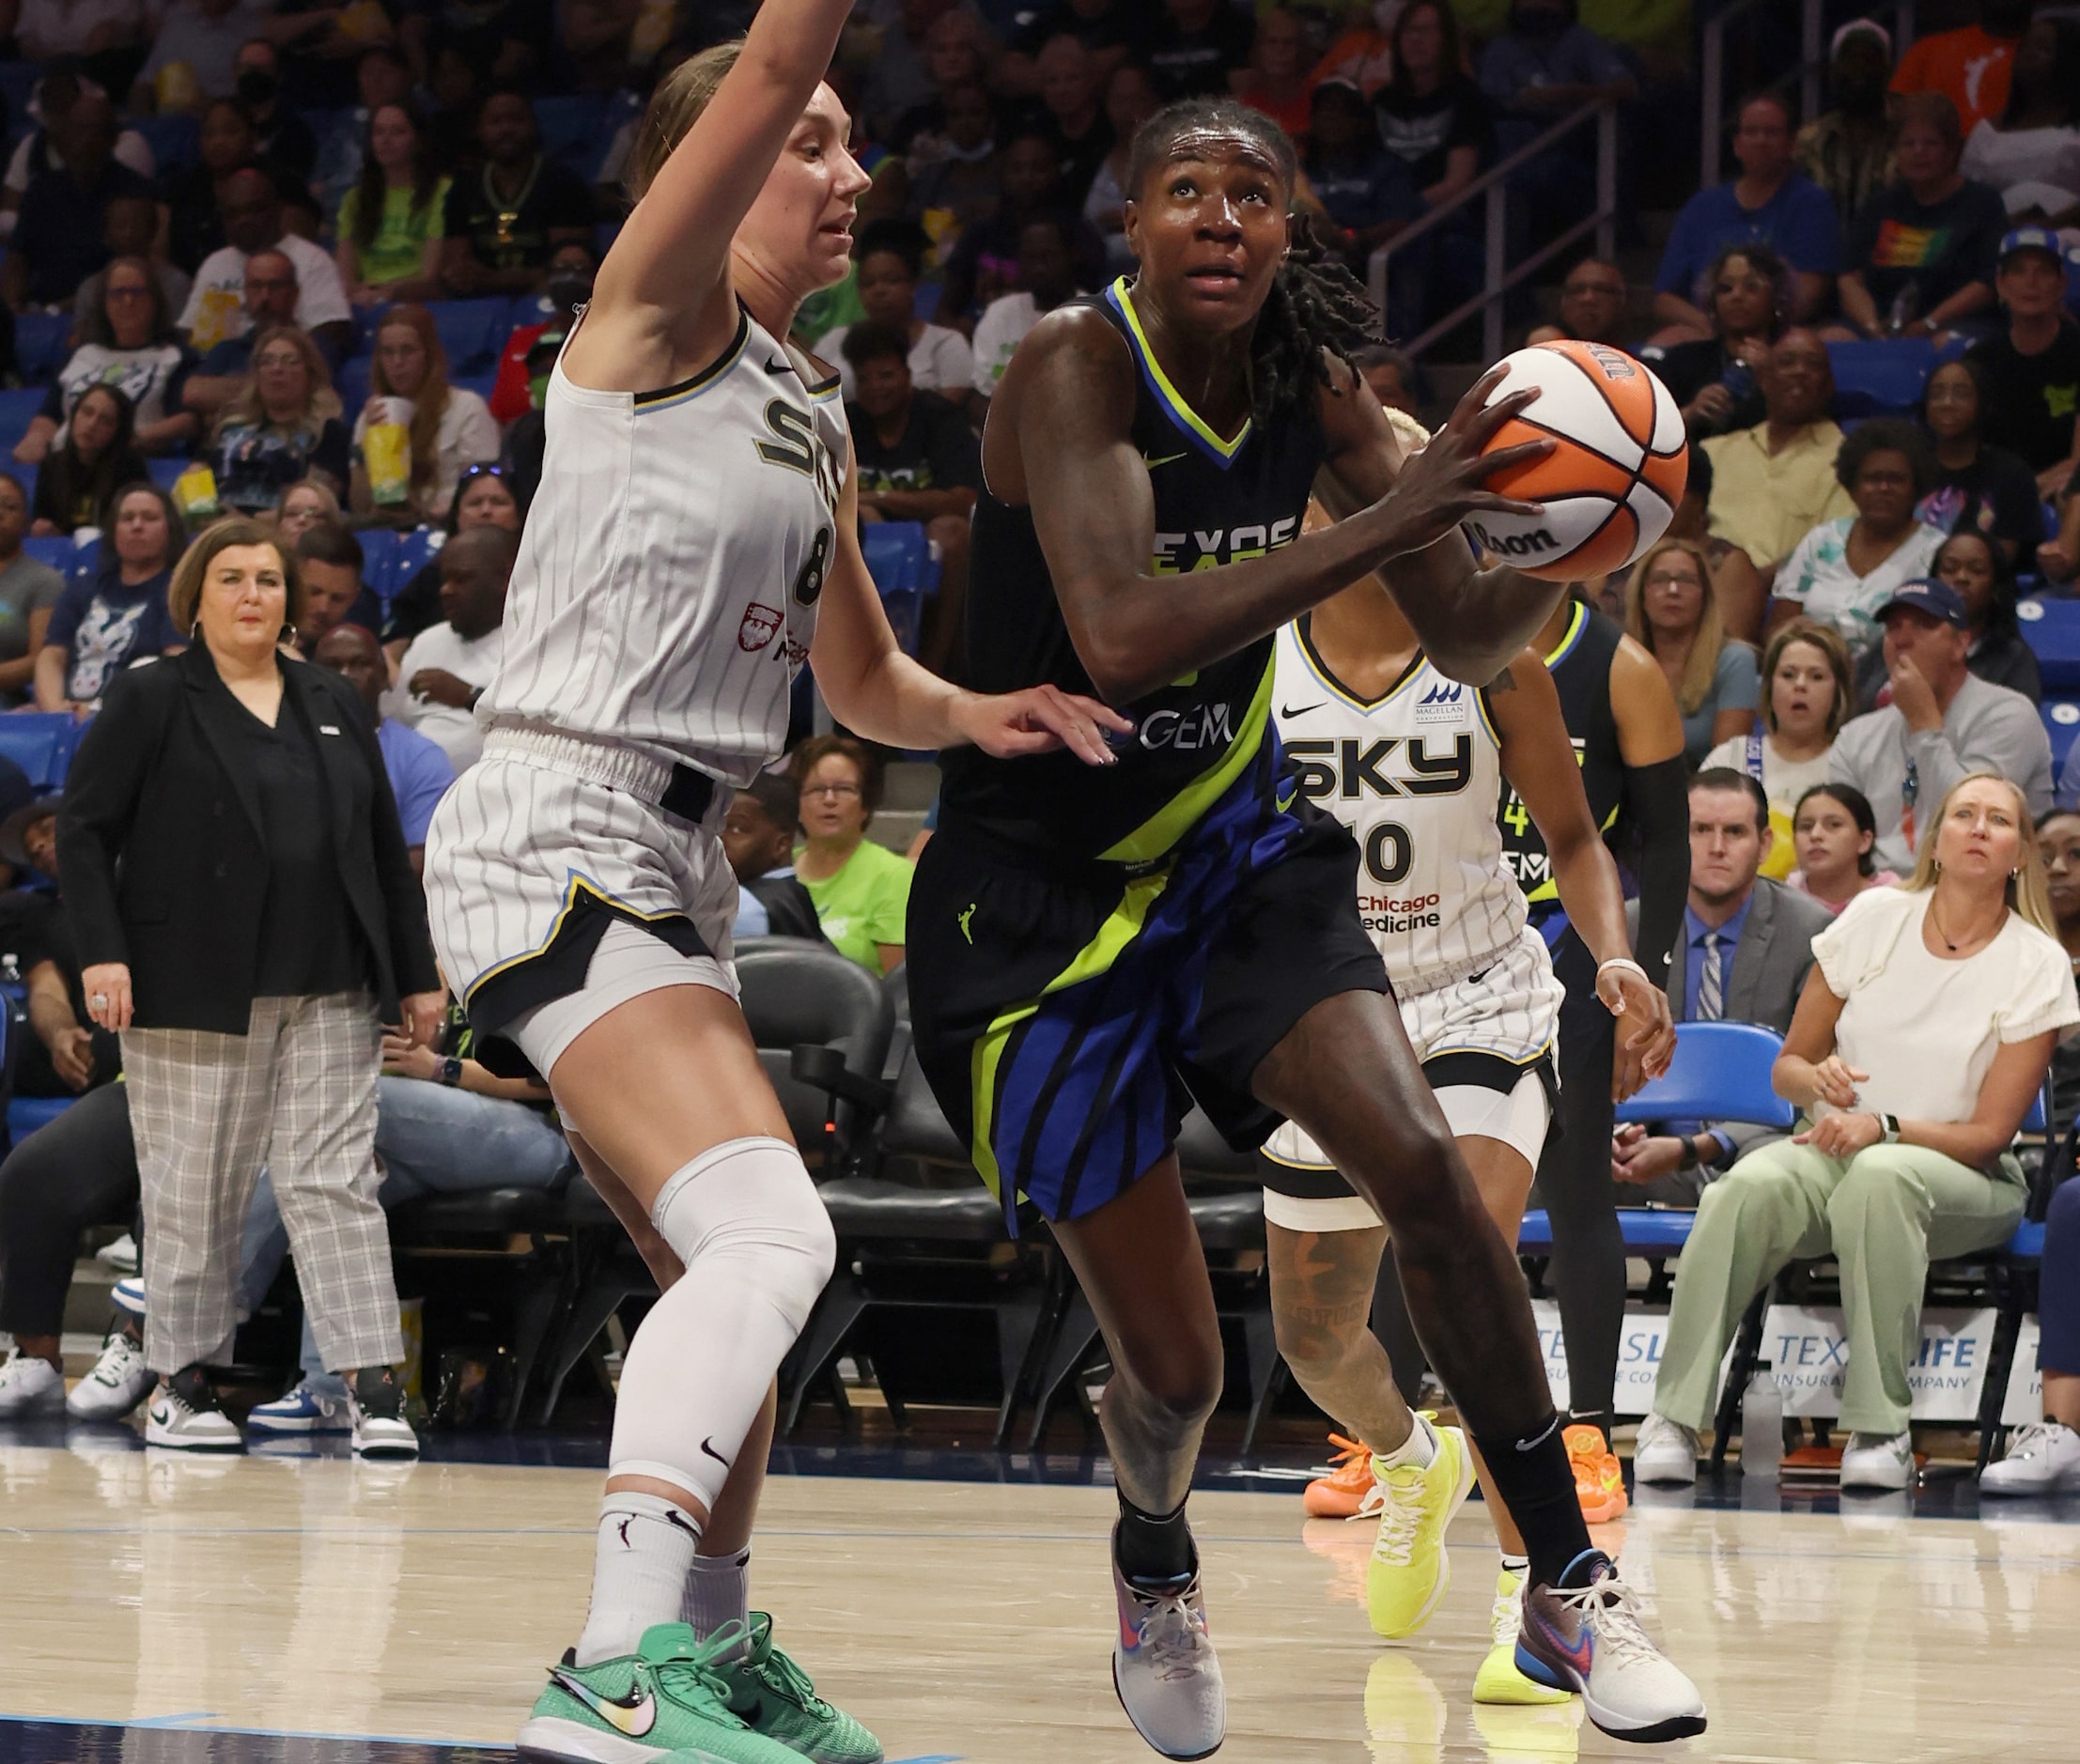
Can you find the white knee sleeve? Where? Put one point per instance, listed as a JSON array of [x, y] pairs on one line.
[[758, 1249]]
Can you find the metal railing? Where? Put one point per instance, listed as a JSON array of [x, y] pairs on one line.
[[1809, 76], [1492, 188]]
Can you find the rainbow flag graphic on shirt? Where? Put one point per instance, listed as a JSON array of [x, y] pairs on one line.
[[1909, 247]]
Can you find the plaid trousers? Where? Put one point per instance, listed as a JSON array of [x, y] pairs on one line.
[[296, 1094]]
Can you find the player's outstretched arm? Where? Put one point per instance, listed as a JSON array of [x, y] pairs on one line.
[[1472, 622], [671, 259], [877, 691], [1065, 410], [1538, 759]]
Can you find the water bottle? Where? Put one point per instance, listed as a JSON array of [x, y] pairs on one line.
[[1762, 1425]]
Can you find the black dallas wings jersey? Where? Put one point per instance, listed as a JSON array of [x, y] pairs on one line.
[[1216, 502]]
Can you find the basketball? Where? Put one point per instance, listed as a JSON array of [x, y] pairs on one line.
[[1611, 485]]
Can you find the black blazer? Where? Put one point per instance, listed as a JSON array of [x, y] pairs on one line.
[[162, 859]]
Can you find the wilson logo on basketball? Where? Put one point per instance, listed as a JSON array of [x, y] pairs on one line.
[[1532, 544]]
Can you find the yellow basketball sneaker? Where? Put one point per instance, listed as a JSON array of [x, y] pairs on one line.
[[1499, 1679], [1410, 1567]]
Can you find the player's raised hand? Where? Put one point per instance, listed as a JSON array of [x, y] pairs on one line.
[[1446, 482], [1647, 1038], [1040, 720]]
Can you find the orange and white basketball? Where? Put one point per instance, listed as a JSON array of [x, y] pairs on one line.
[[1611, 485]]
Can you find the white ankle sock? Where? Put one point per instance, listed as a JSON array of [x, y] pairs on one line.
[[644, 1556], [718, 1591], [1518, 1565], [1418, 1451]]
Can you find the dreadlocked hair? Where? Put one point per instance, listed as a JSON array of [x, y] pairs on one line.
[[1316, 305]]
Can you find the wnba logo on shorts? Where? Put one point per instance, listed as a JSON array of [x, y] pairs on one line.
[[759, 627]]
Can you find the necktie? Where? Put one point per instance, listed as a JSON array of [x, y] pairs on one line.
[[1712, 982]]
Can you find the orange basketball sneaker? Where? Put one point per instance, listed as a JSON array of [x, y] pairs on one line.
[[1599, 1484], [1349, 1489]]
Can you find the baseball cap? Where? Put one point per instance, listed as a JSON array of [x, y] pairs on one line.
[[1938, 599], [2031, 239]]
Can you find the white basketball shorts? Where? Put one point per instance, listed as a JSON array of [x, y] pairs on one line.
[[557, 889], [1485, 1043]]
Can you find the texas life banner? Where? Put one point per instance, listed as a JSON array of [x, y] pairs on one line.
[[1808, 1353]]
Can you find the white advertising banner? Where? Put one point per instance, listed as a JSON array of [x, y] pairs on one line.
[[2026, 1383], [1806, 1349]]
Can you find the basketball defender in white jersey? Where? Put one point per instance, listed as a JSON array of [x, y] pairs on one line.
[[1413, 764], [692, 544]]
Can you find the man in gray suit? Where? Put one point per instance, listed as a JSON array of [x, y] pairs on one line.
[[1742, 957]]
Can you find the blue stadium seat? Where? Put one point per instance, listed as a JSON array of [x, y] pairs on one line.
[[416, 551], [479, 383], [87, 560], [23, 475], [2051, 631], [174, 140], [1648, 1232], [42, 743], [471, 331], [899, 558], [17, 86], [1720, 1072], [55, 550], [574, 130], [18, 409], [351, 383], [379, 551], [41, 346], [1884, 378], [2061, 717], [165, 471], [25, 1114]]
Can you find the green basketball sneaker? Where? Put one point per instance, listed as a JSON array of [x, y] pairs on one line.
[[668, 1697], [774, 1696]]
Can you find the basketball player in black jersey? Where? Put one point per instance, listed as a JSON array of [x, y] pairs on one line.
[[1628, 737], [1091, 954]]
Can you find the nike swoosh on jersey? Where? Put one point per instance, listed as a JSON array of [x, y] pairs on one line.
[[1165, 460], [1287, 710], [709, 1447], [633, 1715], [782, 367]]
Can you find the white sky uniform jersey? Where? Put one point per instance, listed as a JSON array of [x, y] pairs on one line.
[[666, 590], [1416, 777]]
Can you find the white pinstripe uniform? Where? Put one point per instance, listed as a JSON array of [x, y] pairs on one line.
[[1417, 777], [662, 602]]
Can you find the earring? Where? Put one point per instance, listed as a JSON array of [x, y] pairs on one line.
[[288, 637]]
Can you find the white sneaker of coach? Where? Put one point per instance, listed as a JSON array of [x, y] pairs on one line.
[[1877, 1461], [184, 1416], [1164, 1667], [118, 1383], [1665, 1451], [30, 1387], [2043, 1458]]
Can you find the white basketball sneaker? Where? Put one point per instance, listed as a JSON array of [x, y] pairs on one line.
[[118, 1383], [1588, 1638], [1665, 1451], [2043, 1458], [30, 1387], [184, 1416], [1877, 1461], [1164, 1667]]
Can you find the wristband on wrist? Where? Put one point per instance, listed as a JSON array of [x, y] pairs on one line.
[[1891, 1126], [1623, 961]]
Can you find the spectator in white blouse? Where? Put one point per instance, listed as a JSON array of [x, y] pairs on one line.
[[1924, 1032], [891, 258]]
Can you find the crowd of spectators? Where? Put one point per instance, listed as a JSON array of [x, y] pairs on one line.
[[254, 330]]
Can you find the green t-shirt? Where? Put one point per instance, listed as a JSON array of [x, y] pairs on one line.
[[399, 247], [865, 904]]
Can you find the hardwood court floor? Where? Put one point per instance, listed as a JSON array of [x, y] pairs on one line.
[[972, 1621]]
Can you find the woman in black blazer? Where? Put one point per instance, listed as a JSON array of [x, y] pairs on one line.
[[247, 918]]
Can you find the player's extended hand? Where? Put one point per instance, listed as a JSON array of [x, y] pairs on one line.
[[1039, 719], [1645, 1033], [1446, 480]]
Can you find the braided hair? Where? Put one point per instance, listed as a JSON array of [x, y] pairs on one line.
[[1315, 303]]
